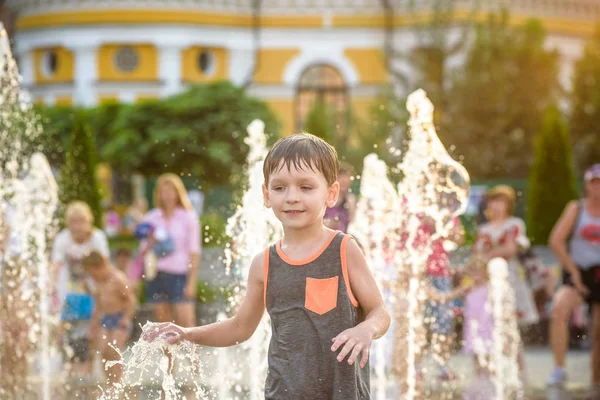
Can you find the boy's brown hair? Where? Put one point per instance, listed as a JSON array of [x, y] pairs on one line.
[[124, 252], [303, 150], [93, 259]]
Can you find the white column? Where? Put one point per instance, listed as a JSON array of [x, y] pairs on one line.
[[86, 75], [169, 69], [26, 68], [127, 97], [241, 62]]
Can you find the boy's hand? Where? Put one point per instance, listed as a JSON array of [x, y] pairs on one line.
[[355, 340], [166, 330]]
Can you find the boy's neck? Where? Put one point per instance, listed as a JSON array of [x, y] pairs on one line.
[[295, 237]]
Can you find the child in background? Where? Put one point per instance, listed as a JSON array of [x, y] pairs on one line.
[[315, 283], [478, 325], [124, 263], [113, 313], [123, 260], [112, 222], [342, 213]]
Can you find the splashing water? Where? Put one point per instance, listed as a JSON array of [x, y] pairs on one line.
[[506, 336], [252, 229], [434, 190], [371, 227], [140, 361], [28, 201]]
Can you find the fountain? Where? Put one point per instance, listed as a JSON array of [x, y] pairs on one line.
[[387, 224], [436, 187], [140, 363], [372, 227], [507, 383], [238, 372], [252, 228], [28, 201]]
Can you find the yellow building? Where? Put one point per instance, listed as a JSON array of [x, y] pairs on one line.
[[92, 51]]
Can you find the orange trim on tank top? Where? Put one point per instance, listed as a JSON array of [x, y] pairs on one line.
[[266, 275], [343, 257], [306, 260]]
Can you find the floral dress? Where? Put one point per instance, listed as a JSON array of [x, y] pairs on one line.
[[491, 236]]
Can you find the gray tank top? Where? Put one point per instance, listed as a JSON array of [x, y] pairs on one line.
[[310, 302], [584, 246]]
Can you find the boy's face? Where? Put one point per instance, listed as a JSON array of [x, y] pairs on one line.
[[299, 197]]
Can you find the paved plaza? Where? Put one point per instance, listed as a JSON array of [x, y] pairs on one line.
[[539, 366]]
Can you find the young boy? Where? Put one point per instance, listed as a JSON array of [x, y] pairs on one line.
[[323, 301], [123, 262], [113, 312]]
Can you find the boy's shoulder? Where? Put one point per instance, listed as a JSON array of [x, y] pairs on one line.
[[118, 276], [260, 262]]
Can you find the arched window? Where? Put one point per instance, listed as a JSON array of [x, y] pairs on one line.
[[325, 84]]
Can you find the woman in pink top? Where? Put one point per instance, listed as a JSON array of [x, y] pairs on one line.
[[172, 290]]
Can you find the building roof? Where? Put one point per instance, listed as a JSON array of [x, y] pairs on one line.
[[588, 10]]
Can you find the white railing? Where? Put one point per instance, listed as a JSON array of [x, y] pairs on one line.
[[569, 9]]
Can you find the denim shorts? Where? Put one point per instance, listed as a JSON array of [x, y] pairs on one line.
[[167, 288], [440, 316]]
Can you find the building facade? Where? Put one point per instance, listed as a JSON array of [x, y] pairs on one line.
[[287, 52]]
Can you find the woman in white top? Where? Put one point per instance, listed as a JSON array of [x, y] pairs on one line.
[[72, 297], [70, 245]]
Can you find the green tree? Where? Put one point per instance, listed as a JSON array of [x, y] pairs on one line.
[[58, 127], [552, 179], [508, 81], [78, 177], [58, 130], [197, 133], [585, 113], [318, 122], [430, 59]]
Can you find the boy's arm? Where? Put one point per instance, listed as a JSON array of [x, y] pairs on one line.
[[94, 329], [231, 331], [366, 292], [128, 300]]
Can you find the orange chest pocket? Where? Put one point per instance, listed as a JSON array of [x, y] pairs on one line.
[[321, 294]]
